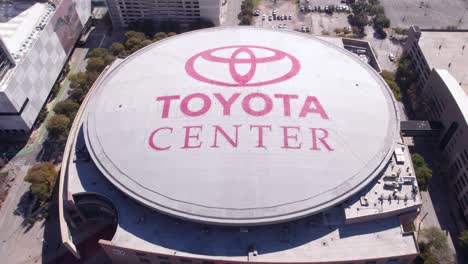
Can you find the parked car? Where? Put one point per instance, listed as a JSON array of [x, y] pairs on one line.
[[289, 17], [263, 17], [391, 57], [270, 18]]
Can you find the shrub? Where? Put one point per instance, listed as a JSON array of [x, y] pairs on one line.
[[98, 53], [58, 127], [117, 48], [42, 178], [67, 108]]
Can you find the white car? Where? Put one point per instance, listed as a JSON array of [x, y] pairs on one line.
[[391, 57], [263, 17]]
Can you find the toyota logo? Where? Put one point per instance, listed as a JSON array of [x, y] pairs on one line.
[[245, 66]]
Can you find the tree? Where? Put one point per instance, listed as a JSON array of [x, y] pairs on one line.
[[423, 175], [387, 75], [117, 48], [463, 239], [58, 127], [42, 178], [135, 34], [159, 35], [95, 65], [68, 108], [360, 7], [79, 85], [146, 43], [405, 74], [91, 77], [376, 9], [98, 53], [171, 34], [133, 43], [108, 59], [381, 21], [418, 160], [358, 20], [423, 172], [434, 247]]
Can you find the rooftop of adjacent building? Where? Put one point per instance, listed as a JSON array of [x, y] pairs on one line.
[[447, 50], [21, 24], [395, 190], [459, 94]]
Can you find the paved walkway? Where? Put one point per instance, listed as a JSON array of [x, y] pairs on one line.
[[19, 244]]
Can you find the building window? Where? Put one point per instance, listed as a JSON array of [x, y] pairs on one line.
[[185, 261], [144, 260]]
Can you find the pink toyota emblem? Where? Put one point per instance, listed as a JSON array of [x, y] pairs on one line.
[[259, 63]]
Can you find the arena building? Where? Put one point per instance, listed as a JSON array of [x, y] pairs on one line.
[[36, 39], [252, 145]]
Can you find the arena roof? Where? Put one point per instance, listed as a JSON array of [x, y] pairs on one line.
[[241, 125]]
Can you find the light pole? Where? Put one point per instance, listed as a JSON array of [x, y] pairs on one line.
[[419, 226]]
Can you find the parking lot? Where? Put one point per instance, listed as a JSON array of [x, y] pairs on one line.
[[318, 23], [321, 23], [427, 14]]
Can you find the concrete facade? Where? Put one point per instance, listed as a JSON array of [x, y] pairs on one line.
[[123, 12], [441, 60], [50, 32], [449, 104]]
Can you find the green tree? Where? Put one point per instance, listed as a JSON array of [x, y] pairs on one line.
[[387, 75], [405, 74], [135, 34], [418, 160], [381, 21], [423, 172], [159, 35], [463, 239], [146, 43], [68, 108], [91, 77], [78, 80], [42, 178], [117, 48], [79, 85], [434, 247], [358, 20], [108, 59], [376, 9], [360, 7], [171, 34], [98, 53], [95, 65], [133, 43], [58, 127]]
